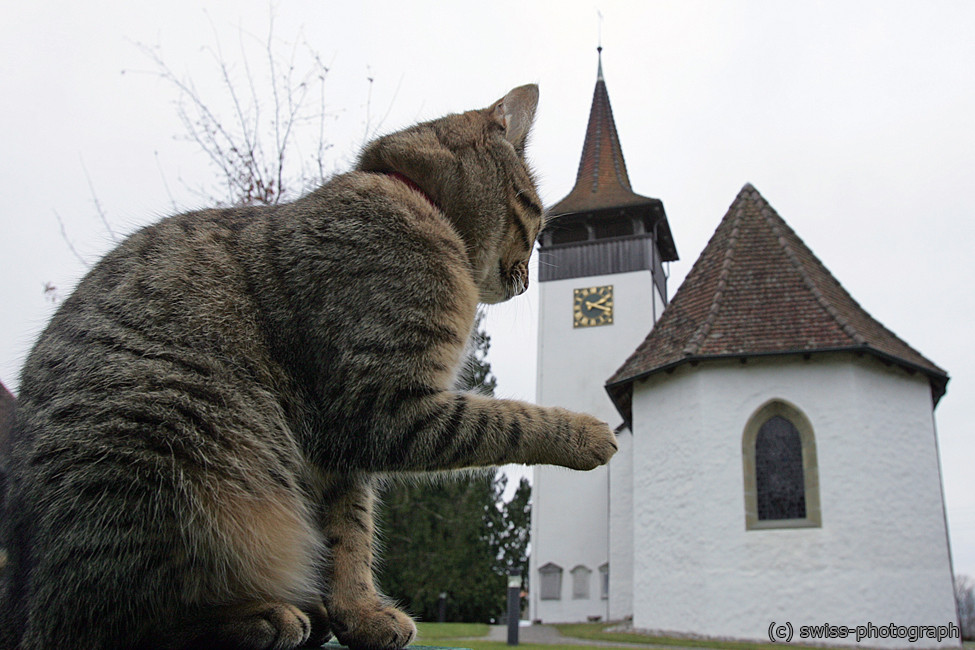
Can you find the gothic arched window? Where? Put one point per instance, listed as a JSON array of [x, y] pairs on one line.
[[780, 469]]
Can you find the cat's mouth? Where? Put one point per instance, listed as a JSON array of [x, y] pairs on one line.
[[517, 280], [509, 282]]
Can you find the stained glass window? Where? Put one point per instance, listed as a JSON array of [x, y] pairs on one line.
[[779, 480]]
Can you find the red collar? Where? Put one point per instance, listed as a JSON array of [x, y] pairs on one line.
[[406, 180]]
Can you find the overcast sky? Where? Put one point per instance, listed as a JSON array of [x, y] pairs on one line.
[[854, 120]]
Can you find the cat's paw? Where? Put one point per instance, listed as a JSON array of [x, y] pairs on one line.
[[591, 443], [377, 627], [253, 626], [321, 629]]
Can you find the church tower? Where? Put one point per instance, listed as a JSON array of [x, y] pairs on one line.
[[602, 284]]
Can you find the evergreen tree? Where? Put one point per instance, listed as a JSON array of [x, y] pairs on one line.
[[475, 374], [510, 528], [455, 535], [436, 542]]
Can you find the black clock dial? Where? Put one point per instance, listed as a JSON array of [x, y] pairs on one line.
[[592, 306]]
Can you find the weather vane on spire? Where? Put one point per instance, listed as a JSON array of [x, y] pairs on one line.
[[599, 46]]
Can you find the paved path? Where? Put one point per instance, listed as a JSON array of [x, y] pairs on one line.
[[549, 635]]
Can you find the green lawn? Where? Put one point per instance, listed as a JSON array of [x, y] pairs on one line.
[[464, 635], [477, 644], [595, 632]]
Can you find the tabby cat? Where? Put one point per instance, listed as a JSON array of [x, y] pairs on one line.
[[201, 425]]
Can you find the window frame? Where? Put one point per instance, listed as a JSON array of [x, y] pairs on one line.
[[810, 467], [604, 581], [548, 573], [581, 582]]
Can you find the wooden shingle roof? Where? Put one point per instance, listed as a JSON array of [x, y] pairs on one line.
[[757, 290]]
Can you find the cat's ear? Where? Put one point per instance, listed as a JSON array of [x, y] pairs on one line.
[[515, 112]]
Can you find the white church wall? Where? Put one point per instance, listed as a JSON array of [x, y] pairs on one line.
[[574, 362], [880, 555], [570, 521], [621, 529], [570, 510], [658, 305]]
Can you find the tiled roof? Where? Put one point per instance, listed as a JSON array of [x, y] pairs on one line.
[[758, 290], [601, 181]]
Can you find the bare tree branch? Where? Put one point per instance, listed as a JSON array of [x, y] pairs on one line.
[[253, 149], [98, 204], [162, 175], [67, 240], [256, 150]]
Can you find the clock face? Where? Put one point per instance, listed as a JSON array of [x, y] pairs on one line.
[[592, 306]]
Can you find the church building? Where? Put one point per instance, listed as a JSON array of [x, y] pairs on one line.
[[778, 463], [602, 284]]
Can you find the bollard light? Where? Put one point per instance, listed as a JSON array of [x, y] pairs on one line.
[[514, 605]]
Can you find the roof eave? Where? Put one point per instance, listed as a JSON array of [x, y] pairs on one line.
[[617, 389], [665, 243], [576, 201]]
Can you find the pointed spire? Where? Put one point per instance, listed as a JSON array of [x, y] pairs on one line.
[[602, 180]]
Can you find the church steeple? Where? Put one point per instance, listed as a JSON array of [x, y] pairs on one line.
[[603, 206], [602, 180]]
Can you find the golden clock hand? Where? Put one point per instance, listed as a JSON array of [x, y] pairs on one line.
[[596, 305]]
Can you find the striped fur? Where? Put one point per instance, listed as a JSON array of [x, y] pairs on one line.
[[201, 424]]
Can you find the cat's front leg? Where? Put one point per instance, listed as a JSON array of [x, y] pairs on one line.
[[360, 616], [449, 430]]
